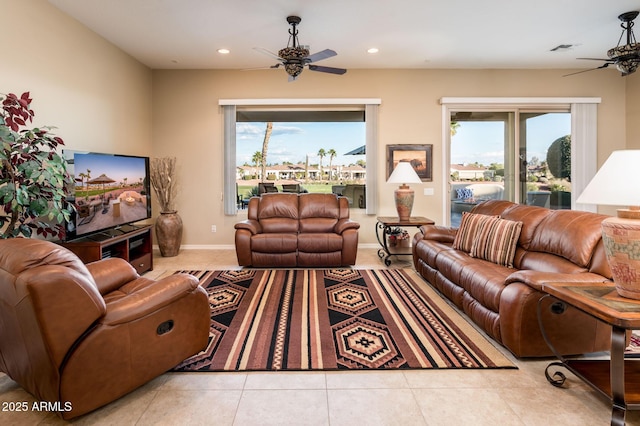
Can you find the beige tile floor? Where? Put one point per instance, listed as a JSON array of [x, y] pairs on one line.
[[449, 397]]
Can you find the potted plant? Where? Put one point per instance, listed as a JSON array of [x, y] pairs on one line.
[[394, 235], [33, 178], [168, 224]]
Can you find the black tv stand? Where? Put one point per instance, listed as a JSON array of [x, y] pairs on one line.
[[134, 246]]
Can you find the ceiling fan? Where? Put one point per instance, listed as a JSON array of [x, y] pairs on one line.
[[625, 57], [295, 57]]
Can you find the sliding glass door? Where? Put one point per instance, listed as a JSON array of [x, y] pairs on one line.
[[545, 154], [517, 155], [481, 142]]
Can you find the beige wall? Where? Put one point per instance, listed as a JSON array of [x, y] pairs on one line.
[[633, 111], [101, 99], [187, 123], [98, 97]]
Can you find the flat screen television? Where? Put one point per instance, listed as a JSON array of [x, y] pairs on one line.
[[110, 193]]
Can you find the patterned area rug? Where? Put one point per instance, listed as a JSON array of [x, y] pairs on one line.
[[333, 320]]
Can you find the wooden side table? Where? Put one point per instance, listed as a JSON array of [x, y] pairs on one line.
[[616, 378], [383, 229]]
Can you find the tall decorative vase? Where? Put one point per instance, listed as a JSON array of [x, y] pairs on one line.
[[404, 196], [169, 233], [621, 238]]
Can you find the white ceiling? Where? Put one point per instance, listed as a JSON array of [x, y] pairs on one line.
[[185, 34]]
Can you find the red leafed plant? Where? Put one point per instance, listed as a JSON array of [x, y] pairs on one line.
[[33, 177]]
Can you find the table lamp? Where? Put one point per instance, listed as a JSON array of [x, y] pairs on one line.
[[404, 195], [617, 183]]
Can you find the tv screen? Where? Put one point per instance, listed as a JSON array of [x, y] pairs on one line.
[[110, 192]]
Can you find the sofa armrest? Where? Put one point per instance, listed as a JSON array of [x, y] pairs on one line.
[[572, 331], [344, 224], [438, 233], [535, 279], [111, 274], [250, 225], [155, 295]]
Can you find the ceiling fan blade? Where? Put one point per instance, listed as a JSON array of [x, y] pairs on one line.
[[330, 70], [596, 59], [591, 69], [262, 68], [268, 53], [318, 56]]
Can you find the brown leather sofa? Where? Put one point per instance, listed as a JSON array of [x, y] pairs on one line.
[[553, 246], [80, 336], [289, 230]]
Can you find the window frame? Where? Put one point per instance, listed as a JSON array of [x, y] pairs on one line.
[[229, 110]]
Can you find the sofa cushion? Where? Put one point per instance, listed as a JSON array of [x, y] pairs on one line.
[[278, 212], [319, 242], [530, 216], [484, 281], [571, 234], [492, 207], [464, 193], [453, 263], [274, 243], [496, 241], [546, 262], [469, 227], [318, 212]]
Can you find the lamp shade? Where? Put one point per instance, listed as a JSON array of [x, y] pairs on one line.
[[616, 183], [404, 173]]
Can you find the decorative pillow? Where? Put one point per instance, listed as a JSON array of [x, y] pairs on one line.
[[496, 241], [464, 193], [469, 227]]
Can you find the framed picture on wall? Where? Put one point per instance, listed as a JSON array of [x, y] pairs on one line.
[[420, 157]]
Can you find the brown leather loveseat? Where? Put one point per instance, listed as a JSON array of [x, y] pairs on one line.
[[289, 230], [553, 246], [79, 336]]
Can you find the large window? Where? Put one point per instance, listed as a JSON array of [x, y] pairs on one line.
[[294, 151], [310, 145]]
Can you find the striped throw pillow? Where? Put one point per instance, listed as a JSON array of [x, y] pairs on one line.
[[469, 227], [496, 241]]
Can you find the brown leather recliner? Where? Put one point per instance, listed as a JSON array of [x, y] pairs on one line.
[[80, 336], [289, 230]]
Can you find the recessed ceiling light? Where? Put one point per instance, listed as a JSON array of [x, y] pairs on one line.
[[223, 51], [373, 50]]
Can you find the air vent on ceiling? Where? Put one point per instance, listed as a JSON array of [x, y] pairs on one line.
[[562, 47]]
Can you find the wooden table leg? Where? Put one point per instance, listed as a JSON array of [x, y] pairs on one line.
[[619, 405]]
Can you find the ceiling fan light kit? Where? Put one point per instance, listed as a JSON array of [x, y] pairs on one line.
[[626, 58]]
